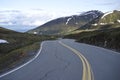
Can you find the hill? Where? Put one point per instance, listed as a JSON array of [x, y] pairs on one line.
[[103, 31], [19, 46], [110, 17], [65, 25], [108, 38], [108, 20]]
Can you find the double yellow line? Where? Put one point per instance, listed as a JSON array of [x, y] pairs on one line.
[[87, 71]]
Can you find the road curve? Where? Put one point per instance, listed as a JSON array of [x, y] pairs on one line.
[[87, 71], [67, 60], [54, 63], [7, 73]]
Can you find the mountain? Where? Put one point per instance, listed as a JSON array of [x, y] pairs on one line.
[[103, 31], [108, 20], [110, 17], [65, 25]]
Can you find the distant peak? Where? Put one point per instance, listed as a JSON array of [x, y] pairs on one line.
[[92, 11]]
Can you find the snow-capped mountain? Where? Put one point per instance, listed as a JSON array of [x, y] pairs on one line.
[[66, 24], [110, 17], [108, 20]]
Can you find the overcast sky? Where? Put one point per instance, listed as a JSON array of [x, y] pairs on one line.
[[37, 12], [72, 6]]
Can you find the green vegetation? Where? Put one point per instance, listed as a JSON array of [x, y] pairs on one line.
[[103, 31], [109, 38], [107, 21], [111, 18], [86, 28], [21, 45]]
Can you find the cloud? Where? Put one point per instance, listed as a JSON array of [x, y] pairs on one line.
[[3, 11], [106, 3], [30, 17]]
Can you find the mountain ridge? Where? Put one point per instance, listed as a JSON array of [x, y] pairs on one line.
[[67, 24], [108, 20], [93, 19]]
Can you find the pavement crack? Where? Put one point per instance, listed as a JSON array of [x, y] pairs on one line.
[[46, 74], [67, 63]]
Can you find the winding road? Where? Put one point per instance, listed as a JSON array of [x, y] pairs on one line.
[[68, 60], [87, 71]]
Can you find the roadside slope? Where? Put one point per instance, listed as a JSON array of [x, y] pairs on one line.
[[20, 46]]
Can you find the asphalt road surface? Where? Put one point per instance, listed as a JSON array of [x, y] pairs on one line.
[[68, 60]]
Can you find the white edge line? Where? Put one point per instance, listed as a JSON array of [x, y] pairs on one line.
[[25, 63]]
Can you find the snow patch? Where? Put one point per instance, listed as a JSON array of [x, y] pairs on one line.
[[68, 20], [3, 41], [35, 33], [94, 24], [103, 23], [118, 20], [106, 14]]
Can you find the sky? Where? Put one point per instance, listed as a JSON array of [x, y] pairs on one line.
[[38, 12], [60, 5]]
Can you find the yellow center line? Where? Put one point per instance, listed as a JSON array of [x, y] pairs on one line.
[[87, 71]]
